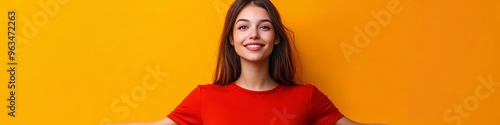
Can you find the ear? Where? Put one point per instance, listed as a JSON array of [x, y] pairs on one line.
[[276, 41], [231, 41]]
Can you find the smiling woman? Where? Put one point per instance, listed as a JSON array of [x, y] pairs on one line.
[[255, 80]]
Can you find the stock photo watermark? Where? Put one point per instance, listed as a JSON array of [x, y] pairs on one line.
[[372, 29], [31, 26], [11, 63], [130, 100], [221, 8], [28, 29], [281, 116], [463, 110]]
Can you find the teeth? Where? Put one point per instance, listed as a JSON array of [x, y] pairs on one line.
[[254, 45]]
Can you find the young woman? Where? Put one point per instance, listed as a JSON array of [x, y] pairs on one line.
[[255, 80]]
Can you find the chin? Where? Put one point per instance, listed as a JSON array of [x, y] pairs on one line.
[[254, 58]]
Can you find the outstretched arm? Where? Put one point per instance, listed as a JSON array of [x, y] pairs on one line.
[[346, 121], [164, 121]]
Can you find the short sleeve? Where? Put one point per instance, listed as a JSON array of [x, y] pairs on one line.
[[323, 110], [189, 111]]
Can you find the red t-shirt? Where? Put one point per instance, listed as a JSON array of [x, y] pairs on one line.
[[232, 105]]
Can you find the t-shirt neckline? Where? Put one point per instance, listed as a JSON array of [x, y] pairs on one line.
[[239, 88]]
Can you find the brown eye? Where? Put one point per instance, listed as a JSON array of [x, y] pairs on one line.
[[265, 27], [243, 27]]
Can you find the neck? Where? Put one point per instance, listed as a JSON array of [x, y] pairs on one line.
[[255, 76]]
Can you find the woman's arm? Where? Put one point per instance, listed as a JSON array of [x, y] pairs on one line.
[[346, 121], [164, 121]]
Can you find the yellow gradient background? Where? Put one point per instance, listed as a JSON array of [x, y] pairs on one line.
[[86, 62]]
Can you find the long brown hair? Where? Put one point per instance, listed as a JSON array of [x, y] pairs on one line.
[[281, 61]]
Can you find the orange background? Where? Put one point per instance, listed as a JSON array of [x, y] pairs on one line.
[[87, 62]]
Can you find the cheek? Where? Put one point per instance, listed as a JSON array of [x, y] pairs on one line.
[[268, 36], [238, 37]]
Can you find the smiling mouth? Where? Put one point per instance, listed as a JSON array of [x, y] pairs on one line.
[[254, 47]]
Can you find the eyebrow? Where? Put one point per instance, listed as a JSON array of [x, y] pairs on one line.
[[260, 21]]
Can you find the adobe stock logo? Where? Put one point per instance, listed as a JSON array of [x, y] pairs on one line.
[[221, 7], [130, 100], [463, 109], [362, 38], [29, 28], [283, 116]]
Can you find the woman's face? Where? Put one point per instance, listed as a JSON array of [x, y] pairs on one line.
[[253, 34]]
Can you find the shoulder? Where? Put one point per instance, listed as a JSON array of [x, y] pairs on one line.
[[302, 90], [301, 87], [212, 88]]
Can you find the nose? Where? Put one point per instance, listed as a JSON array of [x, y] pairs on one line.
[[254, 34]]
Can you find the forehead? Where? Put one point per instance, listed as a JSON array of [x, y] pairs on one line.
[[253, 12]]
